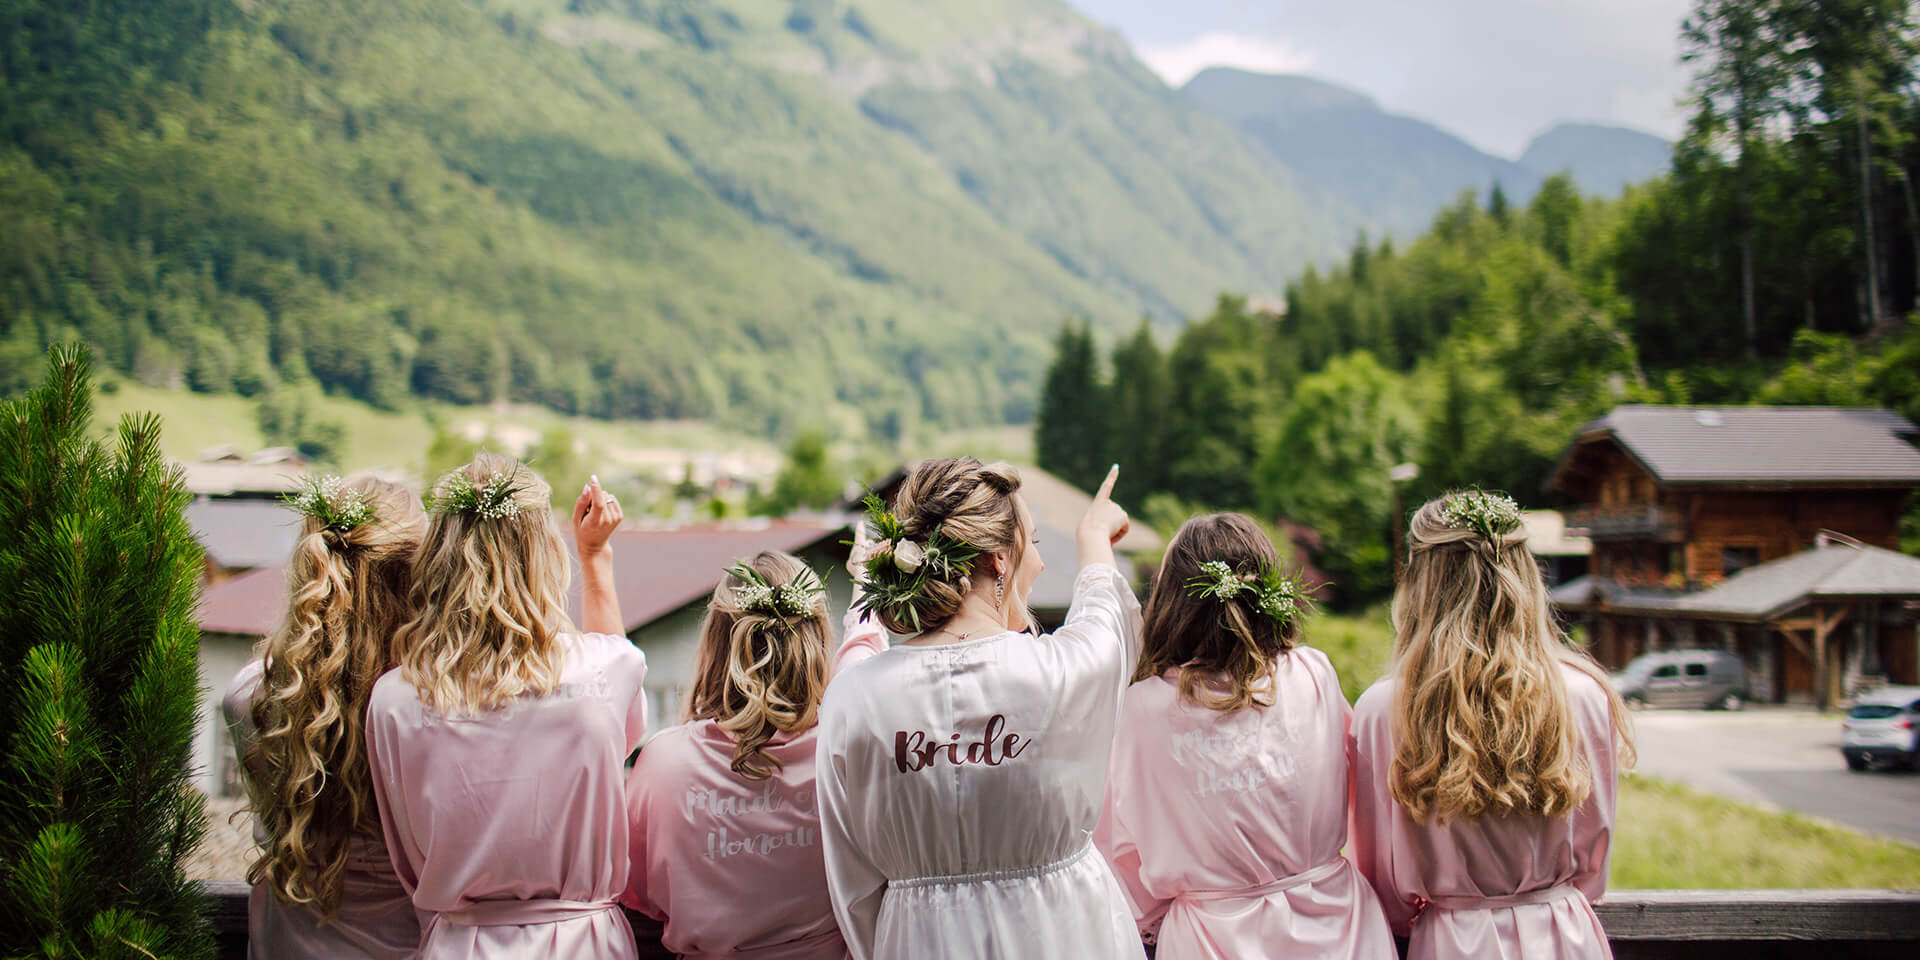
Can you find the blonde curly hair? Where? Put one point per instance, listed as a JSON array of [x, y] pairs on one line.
[[759, 674], [312, 784], [489, 597], [1482, 723]]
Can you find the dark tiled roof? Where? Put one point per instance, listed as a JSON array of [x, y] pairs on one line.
[[655, 572], [1846, 445], [244, 534], [1763, 591]]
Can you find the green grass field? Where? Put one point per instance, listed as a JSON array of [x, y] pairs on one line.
[[1669, 836]]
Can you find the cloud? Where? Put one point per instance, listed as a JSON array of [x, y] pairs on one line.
[[1178, 63]]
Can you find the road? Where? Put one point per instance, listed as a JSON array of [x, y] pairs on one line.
[[1784, 758]]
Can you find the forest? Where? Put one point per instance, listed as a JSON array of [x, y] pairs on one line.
[[1776, 262]]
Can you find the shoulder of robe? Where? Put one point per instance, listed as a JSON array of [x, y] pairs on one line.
[[240, 693], [391, 692], [1375, 703]]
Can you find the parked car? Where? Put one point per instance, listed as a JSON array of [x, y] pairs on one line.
[[1882, 728], [1703, 679]]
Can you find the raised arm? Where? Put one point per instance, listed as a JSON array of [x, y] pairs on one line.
[[1102, 526], [596, 515], [861, 637]]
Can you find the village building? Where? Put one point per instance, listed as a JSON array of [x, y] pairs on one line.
[[1767, 531]]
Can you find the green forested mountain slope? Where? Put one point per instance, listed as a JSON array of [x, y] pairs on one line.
[[762, 211]]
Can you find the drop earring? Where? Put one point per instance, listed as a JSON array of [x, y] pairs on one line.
[[999, 590]]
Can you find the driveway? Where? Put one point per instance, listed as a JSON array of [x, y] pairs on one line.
[[1784, 758]]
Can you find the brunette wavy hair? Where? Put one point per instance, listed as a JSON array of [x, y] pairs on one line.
[[1482, 723], [312, 784], [760, 674], [1204, 637]]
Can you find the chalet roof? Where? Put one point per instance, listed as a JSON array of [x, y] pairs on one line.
[[656, 572], [1837, 571], [244, 534], [1852, 446]]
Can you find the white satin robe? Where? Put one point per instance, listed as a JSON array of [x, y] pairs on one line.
[[509, 827], [1226, 827], [959, 786], [376, 919], [1514, 888]]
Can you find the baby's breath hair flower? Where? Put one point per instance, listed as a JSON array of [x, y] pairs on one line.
[[329, 500], [1274, 595], [797, 598], [896, 573], [1491, 515], [497, 498]]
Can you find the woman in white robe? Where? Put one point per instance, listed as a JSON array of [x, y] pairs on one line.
[[961, 773]]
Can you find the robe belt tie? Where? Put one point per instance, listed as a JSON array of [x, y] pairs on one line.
[[1553, 894], [510, 913], [1018, 873], [1310, 875]]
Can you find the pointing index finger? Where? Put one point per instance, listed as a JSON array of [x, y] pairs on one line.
[[1106, 486]]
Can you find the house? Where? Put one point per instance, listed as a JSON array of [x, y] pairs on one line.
[[1056, 506], [1680, 502], [237, 536], [1562, 555], [663, 578]]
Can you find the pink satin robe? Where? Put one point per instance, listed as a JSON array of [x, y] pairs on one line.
[[376, 919], [509, 827], [732, 865], [959, 785], [1496, 889], [1225, 828]]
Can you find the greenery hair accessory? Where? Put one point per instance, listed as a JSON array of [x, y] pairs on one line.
[[793, 599], [899, 568], [1491, 515], [496, 499], [1276, 595], [329, 500]]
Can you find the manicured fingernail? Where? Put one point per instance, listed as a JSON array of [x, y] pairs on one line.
[[595, 478]]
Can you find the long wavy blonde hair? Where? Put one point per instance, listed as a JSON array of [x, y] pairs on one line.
[[489, 599], [1482, 722], [313, 787], [760, 675]]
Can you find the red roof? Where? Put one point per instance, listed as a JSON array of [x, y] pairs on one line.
[[655, 572]]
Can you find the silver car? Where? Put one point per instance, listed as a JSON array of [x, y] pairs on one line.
[[1882, 728], [1701, 679]]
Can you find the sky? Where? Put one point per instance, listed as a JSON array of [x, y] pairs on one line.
[[1496, 72]]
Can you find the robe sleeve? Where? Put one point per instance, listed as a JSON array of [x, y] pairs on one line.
[[1115, 839], [1369, 754], [628, 664], [1593, 821], [237, 709], [389, 791], [854, 884], [1104, 621], [861, 637], [639, 817]]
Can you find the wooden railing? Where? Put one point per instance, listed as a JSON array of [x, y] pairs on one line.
[[1627, 521], [1641, 924]]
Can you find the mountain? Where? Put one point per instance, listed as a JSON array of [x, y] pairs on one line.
[[1603, 160], [768, 212], [1394, 171]]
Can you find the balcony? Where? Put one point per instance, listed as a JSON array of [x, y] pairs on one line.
[[1628, 521], [1640, 924]]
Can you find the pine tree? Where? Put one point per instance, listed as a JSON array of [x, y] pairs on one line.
[[1070, 431], [1139, 427], [99, 684]]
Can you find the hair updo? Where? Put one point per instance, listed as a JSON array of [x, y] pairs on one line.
[[968, 501], [760, 674]]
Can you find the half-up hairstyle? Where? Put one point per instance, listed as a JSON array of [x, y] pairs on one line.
[[965, 501], [761, 672], [489, 591], [1206, 636], [347, 588], [1483, 725]]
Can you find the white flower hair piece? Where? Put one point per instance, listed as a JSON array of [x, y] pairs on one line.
[[894, 577], [495, 499], [1275, 595], [1492, 515], [329, 500], [797, 598]]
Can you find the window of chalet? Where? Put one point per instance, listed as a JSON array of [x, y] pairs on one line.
[[1735, 559]]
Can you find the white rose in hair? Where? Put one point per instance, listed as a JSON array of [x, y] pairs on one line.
[[908, 555]]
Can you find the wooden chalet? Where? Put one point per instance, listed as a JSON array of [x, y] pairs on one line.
[[1763, 530]]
